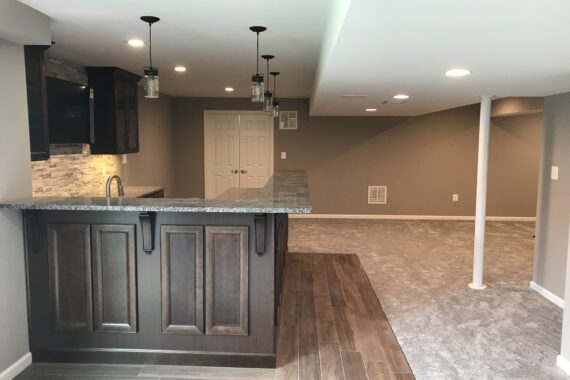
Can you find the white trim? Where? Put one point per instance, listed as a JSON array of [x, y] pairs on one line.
[[547, 294], [17, 367], [563, 363], [413, 217]]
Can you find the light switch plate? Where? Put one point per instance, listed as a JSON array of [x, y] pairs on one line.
[[554, 173], [124, 159], [455, 197], [283, 155]]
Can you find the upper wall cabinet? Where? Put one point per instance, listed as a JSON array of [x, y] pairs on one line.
[[116, 110], [37, 104]]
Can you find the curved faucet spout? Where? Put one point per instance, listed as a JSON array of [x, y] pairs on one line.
[[119, 186]]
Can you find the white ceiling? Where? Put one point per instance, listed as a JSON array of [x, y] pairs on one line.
[[373, 47], [386, 47], [210, 37]]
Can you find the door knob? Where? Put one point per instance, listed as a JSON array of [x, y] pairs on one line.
[[243, 171], [235, 171]]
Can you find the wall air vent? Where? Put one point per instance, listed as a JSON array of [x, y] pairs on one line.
[[288, 120], [377, 195]]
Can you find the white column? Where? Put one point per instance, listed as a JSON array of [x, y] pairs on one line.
[[481, 206]]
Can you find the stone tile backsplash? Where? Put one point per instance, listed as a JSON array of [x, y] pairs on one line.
[[73, 171]]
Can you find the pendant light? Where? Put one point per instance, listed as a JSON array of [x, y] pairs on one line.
[[257, 78], [275, 102], [267, 96], [150, 72]]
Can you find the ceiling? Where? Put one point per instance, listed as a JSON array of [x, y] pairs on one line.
[[329, 48], [386, 47], [210, 37]]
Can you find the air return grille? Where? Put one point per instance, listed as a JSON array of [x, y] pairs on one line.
[[287, 119], [377, 195]]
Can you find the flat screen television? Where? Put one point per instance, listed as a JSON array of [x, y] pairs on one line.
[[70, 112]]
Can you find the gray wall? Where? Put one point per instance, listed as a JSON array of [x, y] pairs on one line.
[[422, 160], [15, 182], [553, 214], [154, 164]]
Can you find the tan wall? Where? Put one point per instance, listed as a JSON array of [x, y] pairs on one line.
[[422, 160], [517, 106], [553, 216], [154, 164]]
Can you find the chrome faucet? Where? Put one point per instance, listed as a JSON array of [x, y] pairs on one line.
[[119, 185]]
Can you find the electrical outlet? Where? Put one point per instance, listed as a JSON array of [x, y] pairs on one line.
[[554, 173], [455, 198], [283, 155]]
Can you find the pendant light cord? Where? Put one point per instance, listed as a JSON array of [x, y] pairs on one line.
[[274, 87], [150, 42], [268, 74], [257, 70]]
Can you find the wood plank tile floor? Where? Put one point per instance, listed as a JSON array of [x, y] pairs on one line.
[[332, 327]]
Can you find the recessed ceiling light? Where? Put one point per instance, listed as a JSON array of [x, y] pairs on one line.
[[135, 43], [229, 89], [371, 110], [401, 97], [455, 73], [180, 69]]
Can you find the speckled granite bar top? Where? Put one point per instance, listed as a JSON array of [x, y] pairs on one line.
[[130, 191], [286, 192]]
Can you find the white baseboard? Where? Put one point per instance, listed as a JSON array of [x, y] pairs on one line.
[[563, 363], [17, 367], [547, 294], [412, 217]]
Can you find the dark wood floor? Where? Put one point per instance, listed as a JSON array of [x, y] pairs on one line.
[[332, 327]]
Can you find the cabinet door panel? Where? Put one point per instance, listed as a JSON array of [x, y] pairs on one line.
[[227, 306], [131, 122], [114, 278], [182, 250], [69, 256]]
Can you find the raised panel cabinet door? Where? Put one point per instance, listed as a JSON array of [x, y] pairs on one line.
[[227, 280], [69, 257], [114, 278], [131, 123], [37, 101], [182, 276]]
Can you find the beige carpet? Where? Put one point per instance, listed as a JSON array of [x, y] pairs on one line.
[[420, 270]]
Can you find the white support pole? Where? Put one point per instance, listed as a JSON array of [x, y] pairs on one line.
[[481, 206]]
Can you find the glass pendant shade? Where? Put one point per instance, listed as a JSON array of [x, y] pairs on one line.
[[150, 72], [268, 102], [275, 108], [151, 83], [257, 88]]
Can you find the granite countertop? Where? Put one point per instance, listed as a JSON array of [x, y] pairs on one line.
[[286, 192], [130, 191]]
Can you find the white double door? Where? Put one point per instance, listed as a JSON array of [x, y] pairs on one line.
[[238, 150]]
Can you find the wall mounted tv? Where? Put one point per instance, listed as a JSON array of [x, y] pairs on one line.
[[70, 112]]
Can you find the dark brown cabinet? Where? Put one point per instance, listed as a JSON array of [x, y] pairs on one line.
[[37, 101], [115, 110], [204, 291]]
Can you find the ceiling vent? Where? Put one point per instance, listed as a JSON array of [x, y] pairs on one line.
[[394, 101], [354, 96], [288, 120], [377, 195]]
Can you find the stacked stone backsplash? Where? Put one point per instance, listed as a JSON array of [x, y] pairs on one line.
[[72, 173]]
